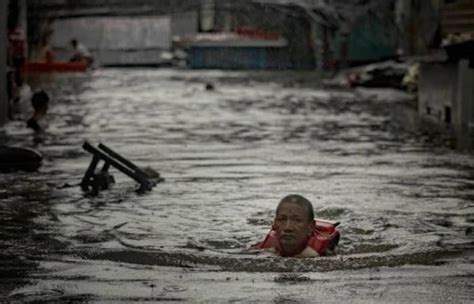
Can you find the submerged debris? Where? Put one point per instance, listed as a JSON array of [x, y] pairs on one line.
[[95, 181]]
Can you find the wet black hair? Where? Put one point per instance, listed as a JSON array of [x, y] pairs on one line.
[[74, 42], [39, 100], [299, 200], [209, 87]]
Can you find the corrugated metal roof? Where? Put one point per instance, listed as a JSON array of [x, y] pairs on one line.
[[319, 5], [229, 39], [336, 10], [458, 17]]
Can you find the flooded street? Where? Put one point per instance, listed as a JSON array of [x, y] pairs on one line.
[[228, 155]]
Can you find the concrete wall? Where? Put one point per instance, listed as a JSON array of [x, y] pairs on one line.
[[3, 62], [446, 97], [437, 91], [464, 103]]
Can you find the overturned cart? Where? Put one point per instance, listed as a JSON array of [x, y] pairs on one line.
[[95, 180]]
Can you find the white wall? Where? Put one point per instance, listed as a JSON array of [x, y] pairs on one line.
[[115, 40], [184, 23]]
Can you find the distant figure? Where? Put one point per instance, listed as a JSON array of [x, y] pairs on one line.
[[295, 232], [209, 87], [39, 101], [80, 53], [16, 57], [45, 53], [20, 96]]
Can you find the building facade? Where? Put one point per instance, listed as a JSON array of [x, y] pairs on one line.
[[289, 21], [446, 87]]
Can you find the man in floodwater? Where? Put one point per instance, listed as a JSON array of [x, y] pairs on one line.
[[80, 53], [295, 233], [39, 101]]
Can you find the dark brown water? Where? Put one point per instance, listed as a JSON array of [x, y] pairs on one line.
[[228, 156]]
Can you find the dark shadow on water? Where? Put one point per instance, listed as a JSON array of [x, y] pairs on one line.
[[24, 241], [255, 263]]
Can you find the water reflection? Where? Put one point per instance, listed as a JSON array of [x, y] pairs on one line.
[[228, 156]]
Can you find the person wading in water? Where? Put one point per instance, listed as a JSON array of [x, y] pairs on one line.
[[39, 101], [295, 232]]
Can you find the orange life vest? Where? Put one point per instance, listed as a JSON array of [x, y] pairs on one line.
[[325, 236]]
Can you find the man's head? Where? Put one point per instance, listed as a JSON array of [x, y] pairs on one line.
[[39, 101], [293, 223], [74, 42]]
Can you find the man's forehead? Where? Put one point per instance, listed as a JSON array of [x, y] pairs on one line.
[[290, 206]]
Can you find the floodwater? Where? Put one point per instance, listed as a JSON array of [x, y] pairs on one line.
[[228, 155]]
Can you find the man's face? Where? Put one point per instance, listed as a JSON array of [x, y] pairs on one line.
[[292, 227]]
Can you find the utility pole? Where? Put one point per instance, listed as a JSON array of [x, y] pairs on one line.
[[3, 62]]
